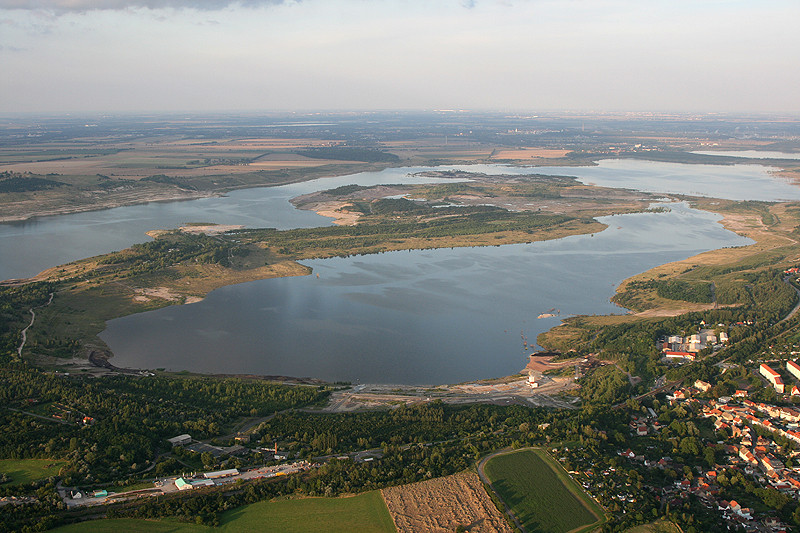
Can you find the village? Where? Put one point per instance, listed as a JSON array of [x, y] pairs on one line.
[[729, 444], [754, 442]]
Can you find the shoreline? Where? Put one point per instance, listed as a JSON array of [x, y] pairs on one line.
[[779, 172], [169, 296], [177, 195], [333, 209], [72, 210], [736, 223], [732, 222]]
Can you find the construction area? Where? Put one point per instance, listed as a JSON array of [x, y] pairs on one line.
[[534, 386]]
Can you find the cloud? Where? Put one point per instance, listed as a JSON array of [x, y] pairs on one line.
[[82, 6]]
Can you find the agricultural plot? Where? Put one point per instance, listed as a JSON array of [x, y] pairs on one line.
[[541, 495], [365, 513], [443, 504], [26, 470]]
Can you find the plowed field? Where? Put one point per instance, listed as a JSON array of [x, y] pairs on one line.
[[442, 504]]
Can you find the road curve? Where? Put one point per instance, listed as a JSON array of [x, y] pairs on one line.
[[488, 483], [796, 307], [33, 319]]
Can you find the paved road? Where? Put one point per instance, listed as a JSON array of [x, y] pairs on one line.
[[796, 307], [48, 418], [33, 319]]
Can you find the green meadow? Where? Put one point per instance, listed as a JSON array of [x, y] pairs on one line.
[[365, 513], [27, 470], [540, 493]]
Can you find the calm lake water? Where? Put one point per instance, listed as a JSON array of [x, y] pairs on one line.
[[733, 182], [751, 154], [27, 248], [45, 242], [419, 317]]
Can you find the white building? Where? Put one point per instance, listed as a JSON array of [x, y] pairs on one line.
[[707, 336], [793, 368], [773, 377], [702, 385]]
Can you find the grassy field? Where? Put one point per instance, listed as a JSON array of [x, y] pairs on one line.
[[27, 470], [365, 513], [534, 487]]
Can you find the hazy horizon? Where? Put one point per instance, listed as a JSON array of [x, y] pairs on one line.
[[149, 56]]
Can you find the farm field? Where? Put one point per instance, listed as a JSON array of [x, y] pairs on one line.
[[443, 504], [530, 153], [365, 513], [27, 470], [541, 495], [115, 170]]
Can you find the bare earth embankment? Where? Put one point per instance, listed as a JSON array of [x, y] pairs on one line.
[[442, 504]]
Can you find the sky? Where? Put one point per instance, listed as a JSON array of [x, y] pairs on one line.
[[71, 56]]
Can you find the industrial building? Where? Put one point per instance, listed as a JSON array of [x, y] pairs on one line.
[[180, 440], [221, 473]]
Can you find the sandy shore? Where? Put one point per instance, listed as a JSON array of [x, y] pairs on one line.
[[210, 229], [334, 210], [164, 293]]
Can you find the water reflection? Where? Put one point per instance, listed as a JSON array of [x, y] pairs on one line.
[[430, 316], [49, 241]]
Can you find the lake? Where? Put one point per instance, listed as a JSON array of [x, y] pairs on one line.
[[732, 182], [750, 154], [45, 242], [418, 317]]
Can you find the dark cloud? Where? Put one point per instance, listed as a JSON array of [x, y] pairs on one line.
[[81, 6]]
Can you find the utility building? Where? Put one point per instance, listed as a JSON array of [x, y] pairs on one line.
[[180, 440]]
